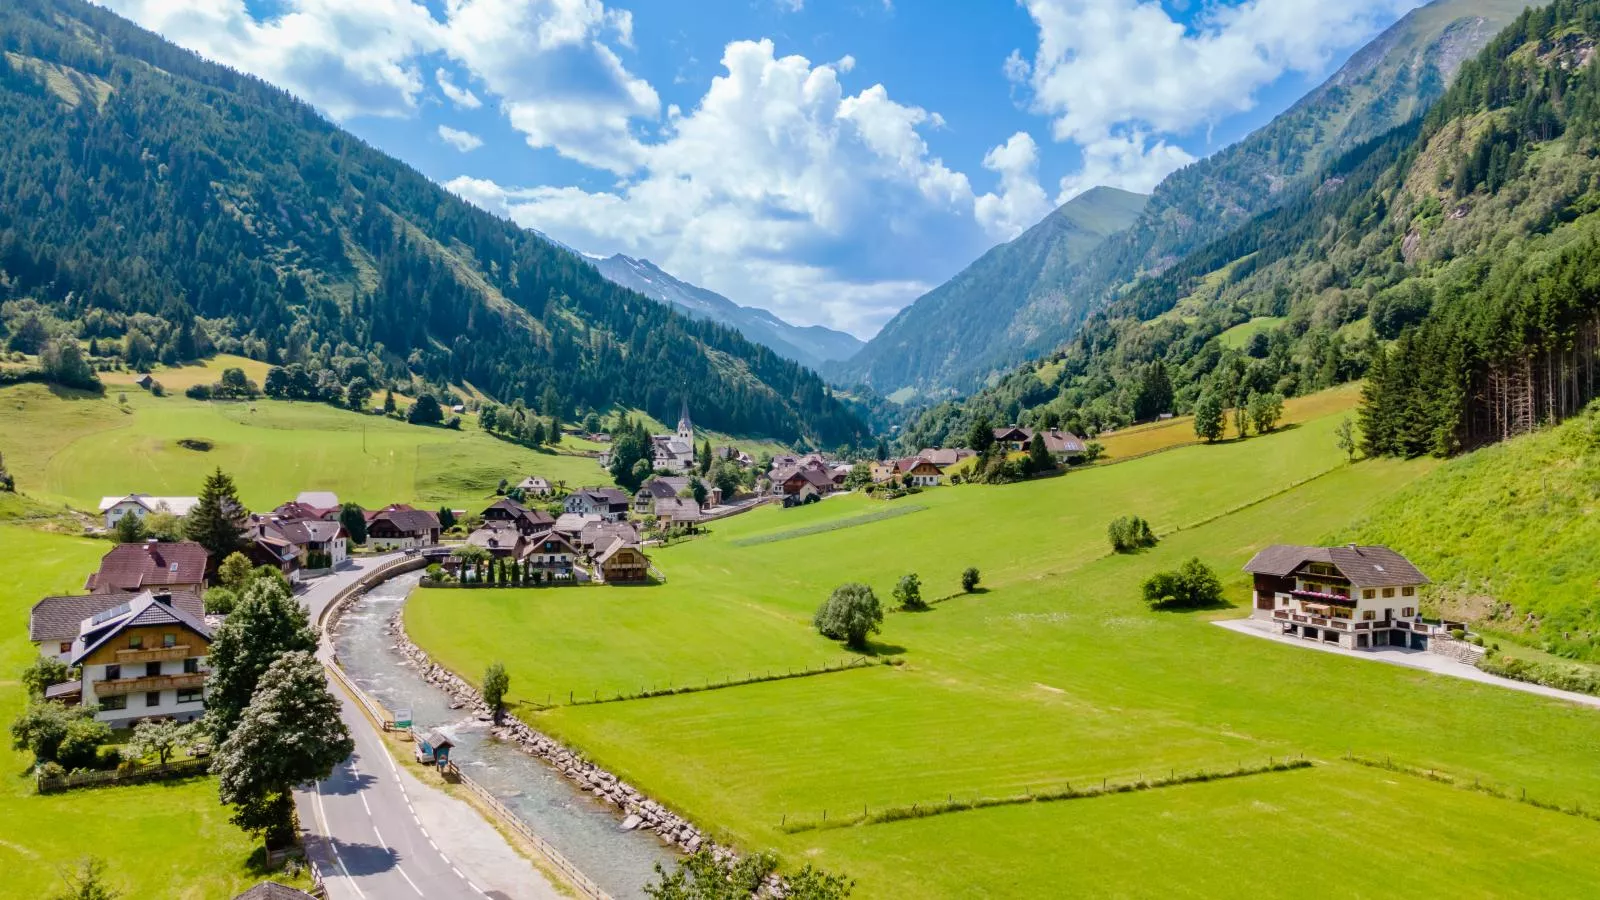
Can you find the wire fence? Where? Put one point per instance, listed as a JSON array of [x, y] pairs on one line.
[[595, 696], [580, 881], [837, 818]]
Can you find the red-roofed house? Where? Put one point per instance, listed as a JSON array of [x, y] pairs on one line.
[[179, 566]]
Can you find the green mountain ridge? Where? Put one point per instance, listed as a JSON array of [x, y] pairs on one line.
[[1389, 81], [164, 206], [983, 320]]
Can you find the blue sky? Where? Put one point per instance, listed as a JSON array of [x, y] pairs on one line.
[[830, 160]]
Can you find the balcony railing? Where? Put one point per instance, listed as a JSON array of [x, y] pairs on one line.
[[184, 682], [153, 654]]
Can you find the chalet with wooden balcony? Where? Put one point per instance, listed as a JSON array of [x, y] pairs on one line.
[[142, 659], [53, 623], [1353, 596]]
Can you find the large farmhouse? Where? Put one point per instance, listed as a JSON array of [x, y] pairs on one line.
[[1356, 597], [145, 658]]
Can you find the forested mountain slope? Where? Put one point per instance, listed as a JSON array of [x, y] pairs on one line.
[[998, 311], [163, 206], [1462, 246], [812, 346], [1387, 83]]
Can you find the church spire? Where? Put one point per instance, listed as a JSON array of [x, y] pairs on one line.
[[685, 426]]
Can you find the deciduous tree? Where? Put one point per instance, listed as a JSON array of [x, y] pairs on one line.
[[495, 685], [290, 733], [1208, 417], [354, 522], [266, 624], [850, 614], [908, 592]]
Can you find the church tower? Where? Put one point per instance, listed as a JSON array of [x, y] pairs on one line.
[[685, 427]]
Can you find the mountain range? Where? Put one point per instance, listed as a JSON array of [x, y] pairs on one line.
[[1390, 81], [1449, 262], [157, 206], [811, 346]]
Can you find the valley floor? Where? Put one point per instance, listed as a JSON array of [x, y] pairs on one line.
[[1053, 677]]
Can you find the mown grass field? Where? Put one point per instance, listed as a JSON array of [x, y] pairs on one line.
[[1179, 431], [1055, 675], [160, 840], [1239, 335], [69, 447]]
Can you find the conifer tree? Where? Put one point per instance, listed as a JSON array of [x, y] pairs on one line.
[[217, 522]]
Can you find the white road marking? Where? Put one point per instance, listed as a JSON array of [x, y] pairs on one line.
[[409, 881], [322, 814], [375, 831], [434, 846], [458, 873]]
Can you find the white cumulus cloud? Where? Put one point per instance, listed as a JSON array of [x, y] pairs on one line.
[[779, 188], [1115, 77], [1021, 201], [465, 141], [462, 97]]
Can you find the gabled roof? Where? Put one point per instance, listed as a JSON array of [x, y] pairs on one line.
[[617, 546], [406, 518], [1062, 442], [1366, 567], [495, 536], [910, 463], [58, 618], [143, 609], [178, 506], [549, 542], [572, 523], [1011, 433], [323, 500], [134, 567]]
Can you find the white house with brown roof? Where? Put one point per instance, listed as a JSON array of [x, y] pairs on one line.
[[53, 621], [402, 527], [1354, 596], [144, 658]]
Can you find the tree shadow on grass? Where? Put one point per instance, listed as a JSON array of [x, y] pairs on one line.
[[1218, 606], [877, 649]]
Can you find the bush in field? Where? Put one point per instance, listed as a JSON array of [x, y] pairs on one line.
[[908, 593], [1192, 586], [852, 613], [1130, 533], [969, 579]]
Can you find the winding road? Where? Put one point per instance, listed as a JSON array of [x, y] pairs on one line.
[[377, 831]]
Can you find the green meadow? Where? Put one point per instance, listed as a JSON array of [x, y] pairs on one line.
[[1054, 675], [70, 447], [159, 840]]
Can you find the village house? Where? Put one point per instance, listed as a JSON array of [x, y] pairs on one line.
[[1012, 439], [534, 486], [129, 568], [739, 457], [677, 511], [1064, 446], [502, 539], [572, 524], [945, 458], [552, 553], [53, 621], [622, 563], [144, 658], [912, 470], [802, 484], [514, 514], [298, 511], [608, 503], [596, 536], [402, 527], [1356, 597], [113, 509], [294, 545]]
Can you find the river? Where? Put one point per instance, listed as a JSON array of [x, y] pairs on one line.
[[585, 831]]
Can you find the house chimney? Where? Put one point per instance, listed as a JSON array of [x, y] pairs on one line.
[[1353, 546]]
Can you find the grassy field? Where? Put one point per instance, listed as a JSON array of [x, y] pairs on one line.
[[1177, 432], [1055, 675], [68, 447], [177, 379], [162, 840], [1239, 335]]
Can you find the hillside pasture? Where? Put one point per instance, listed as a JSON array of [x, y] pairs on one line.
[[70, 447], [1179, 431]]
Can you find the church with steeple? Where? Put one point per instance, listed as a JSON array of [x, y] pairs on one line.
[[675, 452]]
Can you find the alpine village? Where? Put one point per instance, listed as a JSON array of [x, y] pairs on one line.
[[363, 541]]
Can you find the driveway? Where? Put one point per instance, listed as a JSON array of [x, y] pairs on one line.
[[1413, 659]]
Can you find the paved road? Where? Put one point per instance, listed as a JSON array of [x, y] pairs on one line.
[[379, 832], [1411, 659]]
